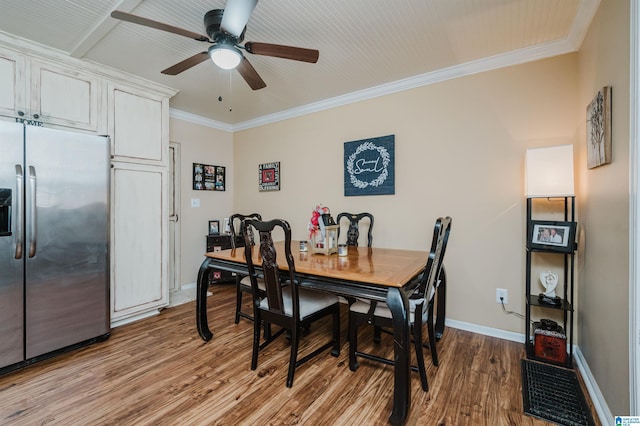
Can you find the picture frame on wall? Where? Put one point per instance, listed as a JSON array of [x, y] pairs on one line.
[[208, 178], [214, 227], [269, 177], [599, 129], [552, 236]]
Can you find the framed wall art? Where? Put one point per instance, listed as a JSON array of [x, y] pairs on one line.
[[599, 129], [269, 177], [552, 236], [208, 178], [369, 166]]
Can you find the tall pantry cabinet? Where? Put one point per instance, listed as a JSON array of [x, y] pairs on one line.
[[56, 91]]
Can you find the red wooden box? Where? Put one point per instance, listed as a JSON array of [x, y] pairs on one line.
[[550, 345]]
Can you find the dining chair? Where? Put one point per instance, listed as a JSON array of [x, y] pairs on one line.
[[353, 232], [286, 304], [243, 283], [421, 305]]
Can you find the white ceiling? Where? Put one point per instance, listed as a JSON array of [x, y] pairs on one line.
[[367, 47]]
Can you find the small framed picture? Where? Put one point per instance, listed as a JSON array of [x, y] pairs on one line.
[[214, 227], [269, 177], [226, 228], [552, 236]]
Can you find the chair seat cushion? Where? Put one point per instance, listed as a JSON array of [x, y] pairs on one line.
[[247, 282], [383, 311], [310, 301]]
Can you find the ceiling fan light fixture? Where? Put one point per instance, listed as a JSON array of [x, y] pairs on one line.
[[225, 56]]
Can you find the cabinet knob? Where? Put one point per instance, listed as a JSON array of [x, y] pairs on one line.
[[36, 116], [21, 113]]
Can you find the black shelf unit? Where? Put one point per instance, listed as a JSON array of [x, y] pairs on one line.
[[566, 305], [217, 242]]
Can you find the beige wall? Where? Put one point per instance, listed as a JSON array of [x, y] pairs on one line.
[[200, 144], [603, 306], [459, 149]]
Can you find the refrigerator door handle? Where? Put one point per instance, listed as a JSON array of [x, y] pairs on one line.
[[32, 212], [18, 209]]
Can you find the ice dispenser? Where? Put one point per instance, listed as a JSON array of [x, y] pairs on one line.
[[5, 212]]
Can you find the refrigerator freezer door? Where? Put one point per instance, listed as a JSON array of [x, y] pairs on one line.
[[67, 235], [11, 276]]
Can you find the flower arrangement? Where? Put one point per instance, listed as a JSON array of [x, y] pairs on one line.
[[314, 222]]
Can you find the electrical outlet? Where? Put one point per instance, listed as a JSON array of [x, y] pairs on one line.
[[502, 292]]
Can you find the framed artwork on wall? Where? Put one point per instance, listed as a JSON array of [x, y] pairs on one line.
[[269, 177], [599, 129], [369, 166], [208, 178]]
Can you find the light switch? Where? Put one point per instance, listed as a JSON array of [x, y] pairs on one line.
[[195, 202]]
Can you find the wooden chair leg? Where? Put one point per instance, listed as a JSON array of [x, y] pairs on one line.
[[238, 300], [256, 340], [336, 332], [295, 341], [432, 336], [417, 343], [377, 334], [353, 342]]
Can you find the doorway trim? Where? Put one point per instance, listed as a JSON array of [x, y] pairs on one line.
[[174, 217], [634, 214]]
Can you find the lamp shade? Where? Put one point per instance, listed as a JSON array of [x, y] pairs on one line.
[[549, 172], [225, 56]]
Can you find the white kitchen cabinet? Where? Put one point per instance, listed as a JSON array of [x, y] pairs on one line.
[[63, 96], [134, 112], [138, 243], [138, 123], [12, 82], [55, 94]]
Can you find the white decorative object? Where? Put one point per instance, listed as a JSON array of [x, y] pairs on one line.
[[549, 281]]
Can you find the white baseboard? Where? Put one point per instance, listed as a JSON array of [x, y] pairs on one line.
[[134, 318], [602, 409]]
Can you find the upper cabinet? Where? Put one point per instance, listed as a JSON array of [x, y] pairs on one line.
[[53, 94], [64, 97], [138, 125], [12, 82]]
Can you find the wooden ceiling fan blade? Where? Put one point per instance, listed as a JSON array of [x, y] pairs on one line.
[[280, 51], [250, 75], [186, 64], [123, 16], [236, 15]]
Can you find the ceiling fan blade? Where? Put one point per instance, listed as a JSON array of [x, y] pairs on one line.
[[280, 51], [123, 16], [186, 64], [236, 15], [250, 75]]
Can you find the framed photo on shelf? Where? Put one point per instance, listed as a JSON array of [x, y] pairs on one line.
[[214, 227], [552, 236]]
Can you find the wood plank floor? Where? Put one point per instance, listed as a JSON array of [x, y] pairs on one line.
[[159, 372]]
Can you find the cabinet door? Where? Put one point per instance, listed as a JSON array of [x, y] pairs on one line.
[[64, 96], [137, 125], [138, 244], [12, 83]]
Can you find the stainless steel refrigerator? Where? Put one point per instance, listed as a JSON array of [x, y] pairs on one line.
[[54, 242]]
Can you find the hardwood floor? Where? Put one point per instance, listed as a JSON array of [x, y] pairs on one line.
[[159, 372]]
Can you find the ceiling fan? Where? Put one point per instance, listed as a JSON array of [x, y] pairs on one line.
[[225, 29]]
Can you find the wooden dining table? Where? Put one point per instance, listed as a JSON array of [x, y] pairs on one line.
[[372, 273]]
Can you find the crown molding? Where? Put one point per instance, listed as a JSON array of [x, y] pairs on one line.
[[198, 119], [586, 11], [515, 57]]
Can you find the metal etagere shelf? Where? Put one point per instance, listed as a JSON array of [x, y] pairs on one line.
[[565, 304]]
